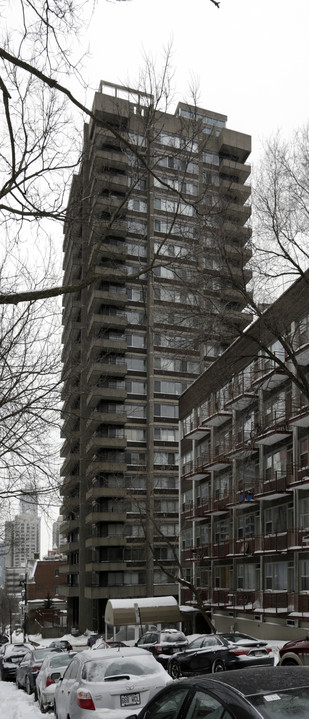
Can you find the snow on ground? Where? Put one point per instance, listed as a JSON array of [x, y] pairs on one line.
[[16, 704]]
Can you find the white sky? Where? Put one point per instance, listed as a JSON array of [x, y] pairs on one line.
[[250, 57]]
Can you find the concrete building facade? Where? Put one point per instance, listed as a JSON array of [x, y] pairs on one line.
[[157, 218], [244, 475]]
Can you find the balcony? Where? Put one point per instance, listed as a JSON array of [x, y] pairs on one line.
[[111, 394], [300, 479], [100, 441], [234, 172], [271, 543], [274, 484], [115, 296], [108, 320], [298, 539], [239, 394], [117, 417], [220, 501], [299, 415], [268, 374], [195, 469], [220, 550], [216, 418], [193, 429], [243, 444], [218, 459], [273, 430], [115, 367], [241, 497], [202, 507]]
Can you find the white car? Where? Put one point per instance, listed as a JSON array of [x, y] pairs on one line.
[[52, 669], [114, 682]]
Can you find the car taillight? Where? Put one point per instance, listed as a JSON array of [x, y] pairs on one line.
[[239, 652], [36, 668], [49, 681], [269, 649], [84, 700], [158, 648]]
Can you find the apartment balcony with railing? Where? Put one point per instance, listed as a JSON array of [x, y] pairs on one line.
[[243, 444], [273, 428], [268, 373], [254, 601], [193, 429], [214, 415], [239, 394], [274, 483], [299, 414], [195, 468], [219, 456]]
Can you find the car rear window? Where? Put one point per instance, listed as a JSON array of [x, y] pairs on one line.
[[99, 671], [174, 637]]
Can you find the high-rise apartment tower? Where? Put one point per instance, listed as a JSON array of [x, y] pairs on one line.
[[157, 222]]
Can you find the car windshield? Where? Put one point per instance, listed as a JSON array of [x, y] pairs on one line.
[[283, 704], [98, 671]]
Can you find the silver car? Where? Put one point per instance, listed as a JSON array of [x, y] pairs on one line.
[[114, 682], [52, 670]]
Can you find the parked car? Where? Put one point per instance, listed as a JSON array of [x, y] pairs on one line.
[[295, 652], [162, 644], [29, 667], [10, 656], [117, 681], [216, 652], [61, 644], [269, 692], [52, 669]]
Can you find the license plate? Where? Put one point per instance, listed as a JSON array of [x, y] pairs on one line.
[[127, 700], [259, 654]]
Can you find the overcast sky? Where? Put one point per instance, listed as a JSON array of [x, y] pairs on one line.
[[250, 57]]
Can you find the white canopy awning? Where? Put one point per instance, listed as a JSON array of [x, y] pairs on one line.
[[146, 610]]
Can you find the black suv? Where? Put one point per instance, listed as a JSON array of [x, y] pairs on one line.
[[163, 643]]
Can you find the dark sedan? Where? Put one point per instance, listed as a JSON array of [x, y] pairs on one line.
[[29, 667], [269, 692], [163, 644], [217, 652]]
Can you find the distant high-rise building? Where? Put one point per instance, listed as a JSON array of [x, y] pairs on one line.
[[29, 501], [56, 537], [22, 539], [157, 218]]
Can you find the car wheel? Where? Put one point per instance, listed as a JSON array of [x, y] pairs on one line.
[[174, 669], [290, 662], [42, 708], [17, 683], [3, 675], [28, 685], [217, 666]]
